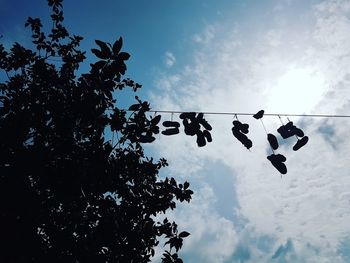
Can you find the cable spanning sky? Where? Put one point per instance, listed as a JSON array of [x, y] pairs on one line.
[[265, 114]]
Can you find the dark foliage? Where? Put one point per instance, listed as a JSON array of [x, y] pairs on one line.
[[66, 193]]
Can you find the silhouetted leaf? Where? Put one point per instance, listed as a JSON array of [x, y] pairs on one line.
[[186, 185], [117, 46], [99, 64], [105, 50], [98, 53], [184, 234], [134, 107], [124, 56], [156, 120]]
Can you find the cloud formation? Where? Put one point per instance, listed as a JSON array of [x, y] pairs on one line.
[[169, 59], [299, 66]]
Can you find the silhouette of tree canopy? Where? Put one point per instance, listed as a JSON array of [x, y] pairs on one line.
[[66, 193]]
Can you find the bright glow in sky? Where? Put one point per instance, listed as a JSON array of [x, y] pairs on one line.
[[296, 91], [284, 56]]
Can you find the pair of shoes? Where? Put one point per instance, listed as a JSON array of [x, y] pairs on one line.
[[289, 130], [277, 161], [172, 128]]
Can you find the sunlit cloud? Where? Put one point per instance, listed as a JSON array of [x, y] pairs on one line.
[[301, 69]]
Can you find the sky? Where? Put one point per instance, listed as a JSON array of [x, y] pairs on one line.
[[283, 56]]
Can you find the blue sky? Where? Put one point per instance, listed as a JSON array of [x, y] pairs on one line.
[[284, 56], [149, 28]]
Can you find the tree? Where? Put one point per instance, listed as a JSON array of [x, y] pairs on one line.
[[66, 193]]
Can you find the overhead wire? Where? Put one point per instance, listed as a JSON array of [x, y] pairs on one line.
[[250, 114]]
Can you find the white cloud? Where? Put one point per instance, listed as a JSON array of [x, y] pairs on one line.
[[212, 237], [169, 59], [206, 36], [309, 67]]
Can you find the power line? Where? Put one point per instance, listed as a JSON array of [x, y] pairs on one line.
[[251, 114]]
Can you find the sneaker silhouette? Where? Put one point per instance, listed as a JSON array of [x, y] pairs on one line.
[[277, 161], [171, 131], [191, 128], [245, 128], [174, 124], [290, 130], [300, 143], [298, 132], [259, 114], [207, 135], [200, 139], [242, 138], [273, 141]]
